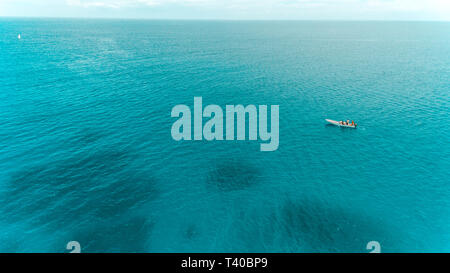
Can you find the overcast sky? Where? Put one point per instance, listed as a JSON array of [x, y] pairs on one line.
[[233, 9]]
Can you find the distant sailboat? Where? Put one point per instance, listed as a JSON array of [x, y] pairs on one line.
[[18, 37]]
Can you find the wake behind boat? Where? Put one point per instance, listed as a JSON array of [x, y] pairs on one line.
[[342, 123]]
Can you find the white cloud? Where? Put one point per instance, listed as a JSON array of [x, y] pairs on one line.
[[106, 4], [436, 5], [241, 9], [130, 3]]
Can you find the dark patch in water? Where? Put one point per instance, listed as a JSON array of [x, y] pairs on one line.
[[89, 136], [130, 235], [315, 227], [233, 175], [191, 231], [92, 185]]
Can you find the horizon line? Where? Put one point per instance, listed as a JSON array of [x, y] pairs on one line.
[[220, 19]]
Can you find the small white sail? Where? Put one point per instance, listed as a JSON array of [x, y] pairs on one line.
[[18, 37]]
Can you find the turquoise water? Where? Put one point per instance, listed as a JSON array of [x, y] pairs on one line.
[[86, 152]]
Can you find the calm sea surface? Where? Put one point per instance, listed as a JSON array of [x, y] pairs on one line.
[[86, 152]]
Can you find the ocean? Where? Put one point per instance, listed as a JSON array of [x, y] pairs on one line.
[[86, 152]]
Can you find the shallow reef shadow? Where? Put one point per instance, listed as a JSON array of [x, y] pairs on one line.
[[126, 235], [309, 225], [191, 231], [313, 226], [92, 186], [233, 175]]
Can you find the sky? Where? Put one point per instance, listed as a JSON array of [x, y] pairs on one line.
[[429, 10]]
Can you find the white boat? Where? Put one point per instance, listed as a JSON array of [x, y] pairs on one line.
[[18, 37], [337, 123]]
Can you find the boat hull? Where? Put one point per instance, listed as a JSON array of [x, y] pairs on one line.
[[334, 122]]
